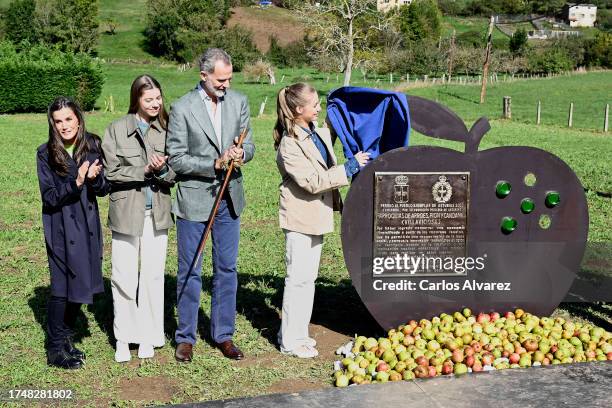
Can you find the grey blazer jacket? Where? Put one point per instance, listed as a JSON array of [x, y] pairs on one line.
[[193, 148]]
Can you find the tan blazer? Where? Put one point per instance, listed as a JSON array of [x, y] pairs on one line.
[[125, 158], [308, 189]]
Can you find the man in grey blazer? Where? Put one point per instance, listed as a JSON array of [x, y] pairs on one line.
[[203, 132]]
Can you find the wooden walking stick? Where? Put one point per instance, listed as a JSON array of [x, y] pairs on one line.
[[213, 213]]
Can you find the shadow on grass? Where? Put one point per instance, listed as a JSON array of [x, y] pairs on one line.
[[102, 310], [336, 307], [457, 96], [38, 304]]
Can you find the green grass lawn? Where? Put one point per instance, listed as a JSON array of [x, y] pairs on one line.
[[126, 43], [465, 24], [24, 274], [589, 92]]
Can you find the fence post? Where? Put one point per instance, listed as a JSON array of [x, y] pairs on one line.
[[539, 111], [262, 107], [391, 78], [570, 119], [606, 117], [507, 110]]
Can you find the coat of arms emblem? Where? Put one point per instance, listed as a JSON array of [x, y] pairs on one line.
[[401, 189], [442, 190]]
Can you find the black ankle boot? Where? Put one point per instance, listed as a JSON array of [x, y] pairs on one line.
[[73, 351], [62, 359]]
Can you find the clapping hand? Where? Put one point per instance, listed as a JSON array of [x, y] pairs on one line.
[[94, 170], [156, 163], [82, 173]]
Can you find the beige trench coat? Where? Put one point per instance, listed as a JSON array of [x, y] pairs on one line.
[[125, 158], [309, 189]]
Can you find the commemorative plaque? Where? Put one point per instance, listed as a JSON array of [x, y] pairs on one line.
[[420, 216]]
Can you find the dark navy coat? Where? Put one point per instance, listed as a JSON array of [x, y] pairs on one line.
[[71, 223]]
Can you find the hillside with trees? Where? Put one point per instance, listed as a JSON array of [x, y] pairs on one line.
[[428, 37]]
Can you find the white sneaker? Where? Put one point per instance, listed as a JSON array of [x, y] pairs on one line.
[[145, 351], [122, 353], [303, 351], [309, 341]]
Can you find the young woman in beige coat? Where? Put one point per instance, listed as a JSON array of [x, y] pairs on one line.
[[139, 217], [308, 194]]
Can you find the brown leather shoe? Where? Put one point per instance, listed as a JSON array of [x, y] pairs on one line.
[[184, 352], [229, 350]]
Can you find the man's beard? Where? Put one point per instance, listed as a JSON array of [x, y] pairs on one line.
[[219, 93]]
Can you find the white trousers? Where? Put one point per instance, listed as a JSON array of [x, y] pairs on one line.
[[138, 294], [302, 256]]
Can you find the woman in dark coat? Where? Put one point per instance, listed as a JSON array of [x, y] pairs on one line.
[[70, 176]]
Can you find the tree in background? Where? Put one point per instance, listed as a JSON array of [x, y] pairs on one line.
[[599, 51], [174, 26], [420, 21], [518, 42], [336, 27], [18, 20], [548, 7], [71, 25]]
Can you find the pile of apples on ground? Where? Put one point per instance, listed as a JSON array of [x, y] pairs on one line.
[[461, 343]]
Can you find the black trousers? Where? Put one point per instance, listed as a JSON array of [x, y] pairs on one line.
[[61, 319]]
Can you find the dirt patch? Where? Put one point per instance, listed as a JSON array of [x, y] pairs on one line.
[[264, 23], [295, 385], [328, 341], [160, 389]]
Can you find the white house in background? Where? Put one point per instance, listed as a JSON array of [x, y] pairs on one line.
[[386, 5], [580, 15]]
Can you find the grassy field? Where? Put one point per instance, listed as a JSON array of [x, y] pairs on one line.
[[24, 280], [590, 93], [465, 24], [24, 275], [126, 43]]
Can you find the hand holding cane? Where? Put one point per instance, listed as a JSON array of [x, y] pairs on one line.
[[211, 218]]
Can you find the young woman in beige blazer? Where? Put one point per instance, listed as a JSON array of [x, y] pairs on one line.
[[308, 196], [139, 217]]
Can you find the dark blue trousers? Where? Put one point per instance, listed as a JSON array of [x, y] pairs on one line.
[[225, 237]]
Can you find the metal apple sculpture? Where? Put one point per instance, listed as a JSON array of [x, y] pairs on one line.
[[526, 218]]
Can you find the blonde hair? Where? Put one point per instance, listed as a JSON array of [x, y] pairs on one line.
[[288, 100]]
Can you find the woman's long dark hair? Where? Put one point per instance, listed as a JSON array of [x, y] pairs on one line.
[[144, 83], [58, 156]]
